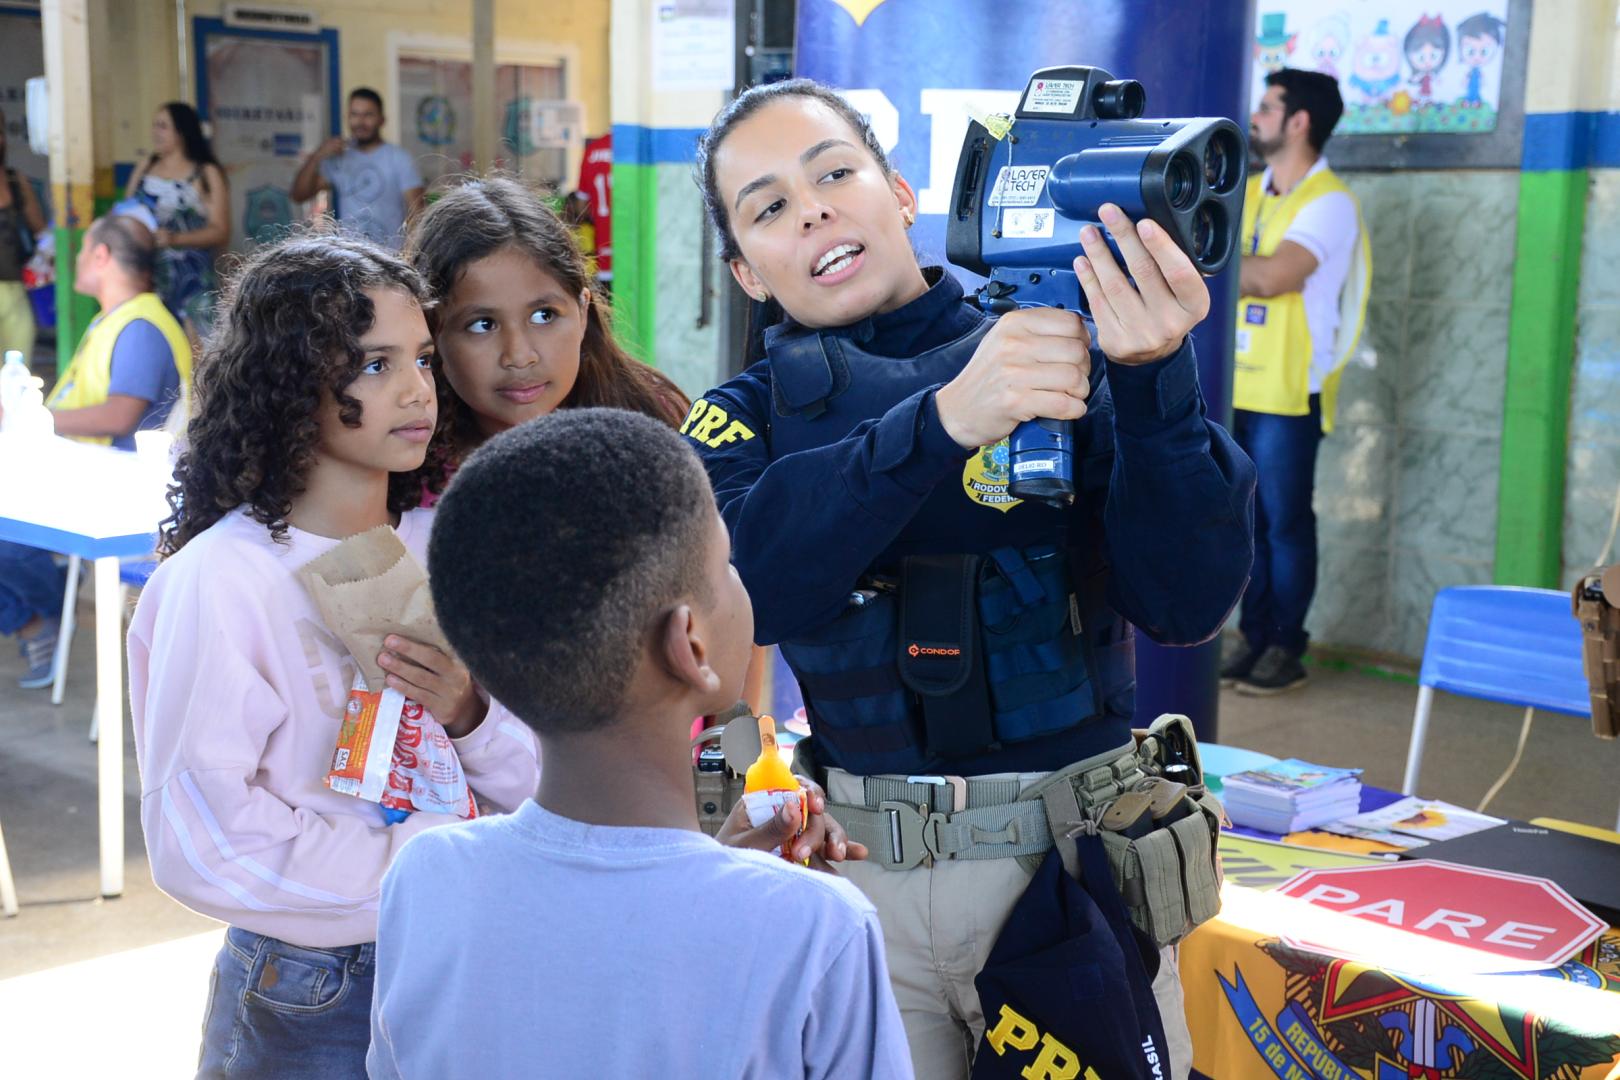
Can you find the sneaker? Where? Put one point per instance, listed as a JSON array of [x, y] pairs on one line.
[[1276, 672], [39, 653], [1238, 664]]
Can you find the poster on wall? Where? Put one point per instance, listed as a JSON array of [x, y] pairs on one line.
[[268, 100], [22, 57], [537, 129], [1434, 67]]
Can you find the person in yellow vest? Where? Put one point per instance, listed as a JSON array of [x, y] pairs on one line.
[[129, 373], [1305, 274]]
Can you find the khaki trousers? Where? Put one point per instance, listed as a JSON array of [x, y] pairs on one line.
[[939, 924]]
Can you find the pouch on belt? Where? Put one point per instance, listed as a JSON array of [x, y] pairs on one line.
[[1160, 834]]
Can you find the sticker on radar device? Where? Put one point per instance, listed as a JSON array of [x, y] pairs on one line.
[[1029, 224], [1053, 95], [1019, 185]]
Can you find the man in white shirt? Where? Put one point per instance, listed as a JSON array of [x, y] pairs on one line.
[[1303, 282], [377, 185]]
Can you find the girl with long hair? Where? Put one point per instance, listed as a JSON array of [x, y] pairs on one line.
[[519, 330], [314, 420]]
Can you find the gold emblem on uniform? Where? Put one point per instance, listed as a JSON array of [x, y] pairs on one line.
[[984, 477]]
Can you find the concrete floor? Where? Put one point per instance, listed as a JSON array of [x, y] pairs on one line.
[[1345, 716]]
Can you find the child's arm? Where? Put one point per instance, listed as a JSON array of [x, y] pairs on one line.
[[501, 759], [497, 750]]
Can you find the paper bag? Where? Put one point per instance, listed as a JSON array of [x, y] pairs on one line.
[[390, 750]]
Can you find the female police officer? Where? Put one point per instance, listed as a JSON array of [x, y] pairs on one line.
[[937, 625]]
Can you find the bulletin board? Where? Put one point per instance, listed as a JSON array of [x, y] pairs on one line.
[[1433, 85]]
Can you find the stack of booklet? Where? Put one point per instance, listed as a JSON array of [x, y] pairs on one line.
[[1412, 822], [1287, 796]]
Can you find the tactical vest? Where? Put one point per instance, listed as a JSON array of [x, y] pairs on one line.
[[991, 627]]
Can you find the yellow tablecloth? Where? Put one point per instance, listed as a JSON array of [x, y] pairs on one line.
[[1259, 1007]]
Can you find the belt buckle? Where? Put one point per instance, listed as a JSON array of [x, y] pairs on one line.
[[907, 847], [957, 784]]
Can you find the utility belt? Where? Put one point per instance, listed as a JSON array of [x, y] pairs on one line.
[[1158, 824], [958, 655]]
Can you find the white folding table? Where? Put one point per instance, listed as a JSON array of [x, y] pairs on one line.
[[99, 504]]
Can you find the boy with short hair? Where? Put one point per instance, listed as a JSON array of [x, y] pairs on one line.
[[582, 573]]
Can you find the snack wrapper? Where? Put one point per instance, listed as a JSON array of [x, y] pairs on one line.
[[390, 750], [763, 805]]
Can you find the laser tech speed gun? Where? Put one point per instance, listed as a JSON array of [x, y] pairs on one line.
[[1026, 184]]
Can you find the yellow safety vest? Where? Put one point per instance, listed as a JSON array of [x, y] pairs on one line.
[[87, 378], [1274, 348]]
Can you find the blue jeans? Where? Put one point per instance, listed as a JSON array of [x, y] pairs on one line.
[[284, 1011], [1283, 580], [30, 584]]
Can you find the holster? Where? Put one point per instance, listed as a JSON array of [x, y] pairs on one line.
[[717, 789], [1164, 859], [1594, 603]]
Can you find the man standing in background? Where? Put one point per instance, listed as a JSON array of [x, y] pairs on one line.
[[377, 185], [1304, 279]]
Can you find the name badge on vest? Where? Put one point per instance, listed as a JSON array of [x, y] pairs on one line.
[[1255, 314]]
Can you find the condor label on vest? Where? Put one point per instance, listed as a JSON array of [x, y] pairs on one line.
[[984, 477]]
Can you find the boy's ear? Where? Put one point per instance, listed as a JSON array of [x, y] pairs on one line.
[[684, 654]]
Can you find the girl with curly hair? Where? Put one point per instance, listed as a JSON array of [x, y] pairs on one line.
[[518, 328], [314, 417]]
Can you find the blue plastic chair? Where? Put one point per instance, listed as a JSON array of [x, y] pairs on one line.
[[1500, 643]]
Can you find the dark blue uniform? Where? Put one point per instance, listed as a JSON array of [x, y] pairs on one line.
[[830, 465]]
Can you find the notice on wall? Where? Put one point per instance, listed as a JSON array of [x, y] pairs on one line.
[[693, 45], [268, 103], [1402, 68]]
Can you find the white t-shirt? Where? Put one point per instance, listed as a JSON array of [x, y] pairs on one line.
[[371, 186], [1327, 227], [533, 945]]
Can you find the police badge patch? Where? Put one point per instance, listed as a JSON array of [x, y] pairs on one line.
[[984, 478]]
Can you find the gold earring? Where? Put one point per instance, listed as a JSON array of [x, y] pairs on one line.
[[910, 216]]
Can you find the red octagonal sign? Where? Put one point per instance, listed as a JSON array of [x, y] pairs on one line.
[[1529, 921]]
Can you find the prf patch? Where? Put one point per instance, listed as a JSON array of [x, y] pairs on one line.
[[984, 477], [1053, 1060], [712, 426]]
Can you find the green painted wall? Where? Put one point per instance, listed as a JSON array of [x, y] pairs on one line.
[[1541, 347]]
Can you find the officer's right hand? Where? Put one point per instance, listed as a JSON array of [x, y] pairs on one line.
[[1035, 362]]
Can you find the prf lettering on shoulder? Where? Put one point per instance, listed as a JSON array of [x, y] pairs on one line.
[[710, 425], [1054, 1062]]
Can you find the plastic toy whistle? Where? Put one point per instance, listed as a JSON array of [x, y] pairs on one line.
[[769, 783]]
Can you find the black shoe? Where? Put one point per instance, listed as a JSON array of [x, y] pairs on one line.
[[1276, 672], [1238, 664]]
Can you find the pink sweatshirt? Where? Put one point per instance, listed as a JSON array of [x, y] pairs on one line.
[[237, 691]]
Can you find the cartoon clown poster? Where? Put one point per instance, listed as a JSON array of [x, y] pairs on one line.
[[1433, 66]]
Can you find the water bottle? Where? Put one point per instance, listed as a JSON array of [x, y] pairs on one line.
[[14, 378], [29, 417]]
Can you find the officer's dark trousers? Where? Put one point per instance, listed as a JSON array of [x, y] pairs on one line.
[[1283, 580]]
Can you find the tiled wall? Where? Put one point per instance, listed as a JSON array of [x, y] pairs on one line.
[[686, 352], [1406, 486], [1593, 470]]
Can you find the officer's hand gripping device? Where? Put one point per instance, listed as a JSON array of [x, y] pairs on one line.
[[1026, 184]]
